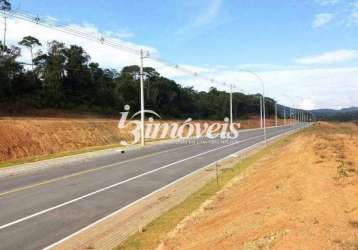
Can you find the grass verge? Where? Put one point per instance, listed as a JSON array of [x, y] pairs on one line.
[[64, 154], [56, 155], [154, 232]]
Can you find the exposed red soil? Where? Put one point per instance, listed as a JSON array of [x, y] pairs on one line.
[[304, 196]]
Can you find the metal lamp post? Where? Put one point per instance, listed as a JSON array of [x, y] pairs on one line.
[[231, 113], [263, 98], [142, 106]]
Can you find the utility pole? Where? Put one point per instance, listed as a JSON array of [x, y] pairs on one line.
[[5, 27], [263, 99], [142, 110], [301, 116], [297, 116], [231, 113], [284, 116], [5, 6], [264, 111], [261, 114], [276, 121]]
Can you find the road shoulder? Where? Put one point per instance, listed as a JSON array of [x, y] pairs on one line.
[[137, 218]]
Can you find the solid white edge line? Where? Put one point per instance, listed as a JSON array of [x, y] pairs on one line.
[[118, 184], [157, 191], [33, 166]]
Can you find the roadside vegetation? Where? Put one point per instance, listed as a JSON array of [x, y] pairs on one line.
[[25, 139], [151, 235], [300, 193], [64, 77]]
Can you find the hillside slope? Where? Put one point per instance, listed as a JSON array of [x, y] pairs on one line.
[[304, 196], [23, 138]]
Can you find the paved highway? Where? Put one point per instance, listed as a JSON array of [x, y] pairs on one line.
[[42, 207]]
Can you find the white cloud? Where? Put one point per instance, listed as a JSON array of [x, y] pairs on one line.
[[327, 2], [104, 55], [334, 87], [119, 34], [307, 104], [205, 17], [322, 87], [209, 15], [322, 19], [338, 56], [353, 18]]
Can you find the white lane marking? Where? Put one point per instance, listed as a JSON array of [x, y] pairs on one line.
[[152, 193], [117, 184], [92, 170]]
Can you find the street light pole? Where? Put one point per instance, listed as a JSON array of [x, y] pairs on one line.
[[263, 98], [264, 109], [142, 117], [276, 121], [231, 113], [261, 113], [291, 116]]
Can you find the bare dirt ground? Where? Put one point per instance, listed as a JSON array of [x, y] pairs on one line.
[[25, 137], [304, 196]]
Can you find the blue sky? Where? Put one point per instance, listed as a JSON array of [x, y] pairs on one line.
[[235, 32], [281, 39]]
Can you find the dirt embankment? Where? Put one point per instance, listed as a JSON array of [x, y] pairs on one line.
[[304, 196], [26, 137], [22, 138]]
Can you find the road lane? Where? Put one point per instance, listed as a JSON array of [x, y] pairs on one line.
[[58, 223], [13, 183]]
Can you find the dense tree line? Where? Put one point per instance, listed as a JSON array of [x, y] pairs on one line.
[[65, 77], [337, 116]]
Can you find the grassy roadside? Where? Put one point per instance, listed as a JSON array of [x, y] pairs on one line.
[[56, 155], [69, 153], [152, 234]]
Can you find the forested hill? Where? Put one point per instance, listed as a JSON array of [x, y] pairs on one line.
[[65, 77], [346, 114]]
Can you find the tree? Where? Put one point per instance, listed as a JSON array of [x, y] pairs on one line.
[[77, 79], [51, 69], [5, 5], [30, 42], [65, 77], [10, 70]]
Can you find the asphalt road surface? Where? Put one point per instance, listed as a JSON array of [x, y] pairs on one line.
[[40, 208]]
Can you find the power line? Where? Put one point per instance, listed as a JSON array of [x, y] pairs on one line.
[[26, 16]]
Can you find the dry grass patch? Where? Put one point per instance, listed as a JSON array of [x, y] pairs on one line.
[[304, 196], [29, 139], [151, 236]]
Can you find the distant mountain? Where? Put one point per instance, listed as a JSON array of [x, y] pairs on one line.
[[351, 109], [325, 111], [345, 114]]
